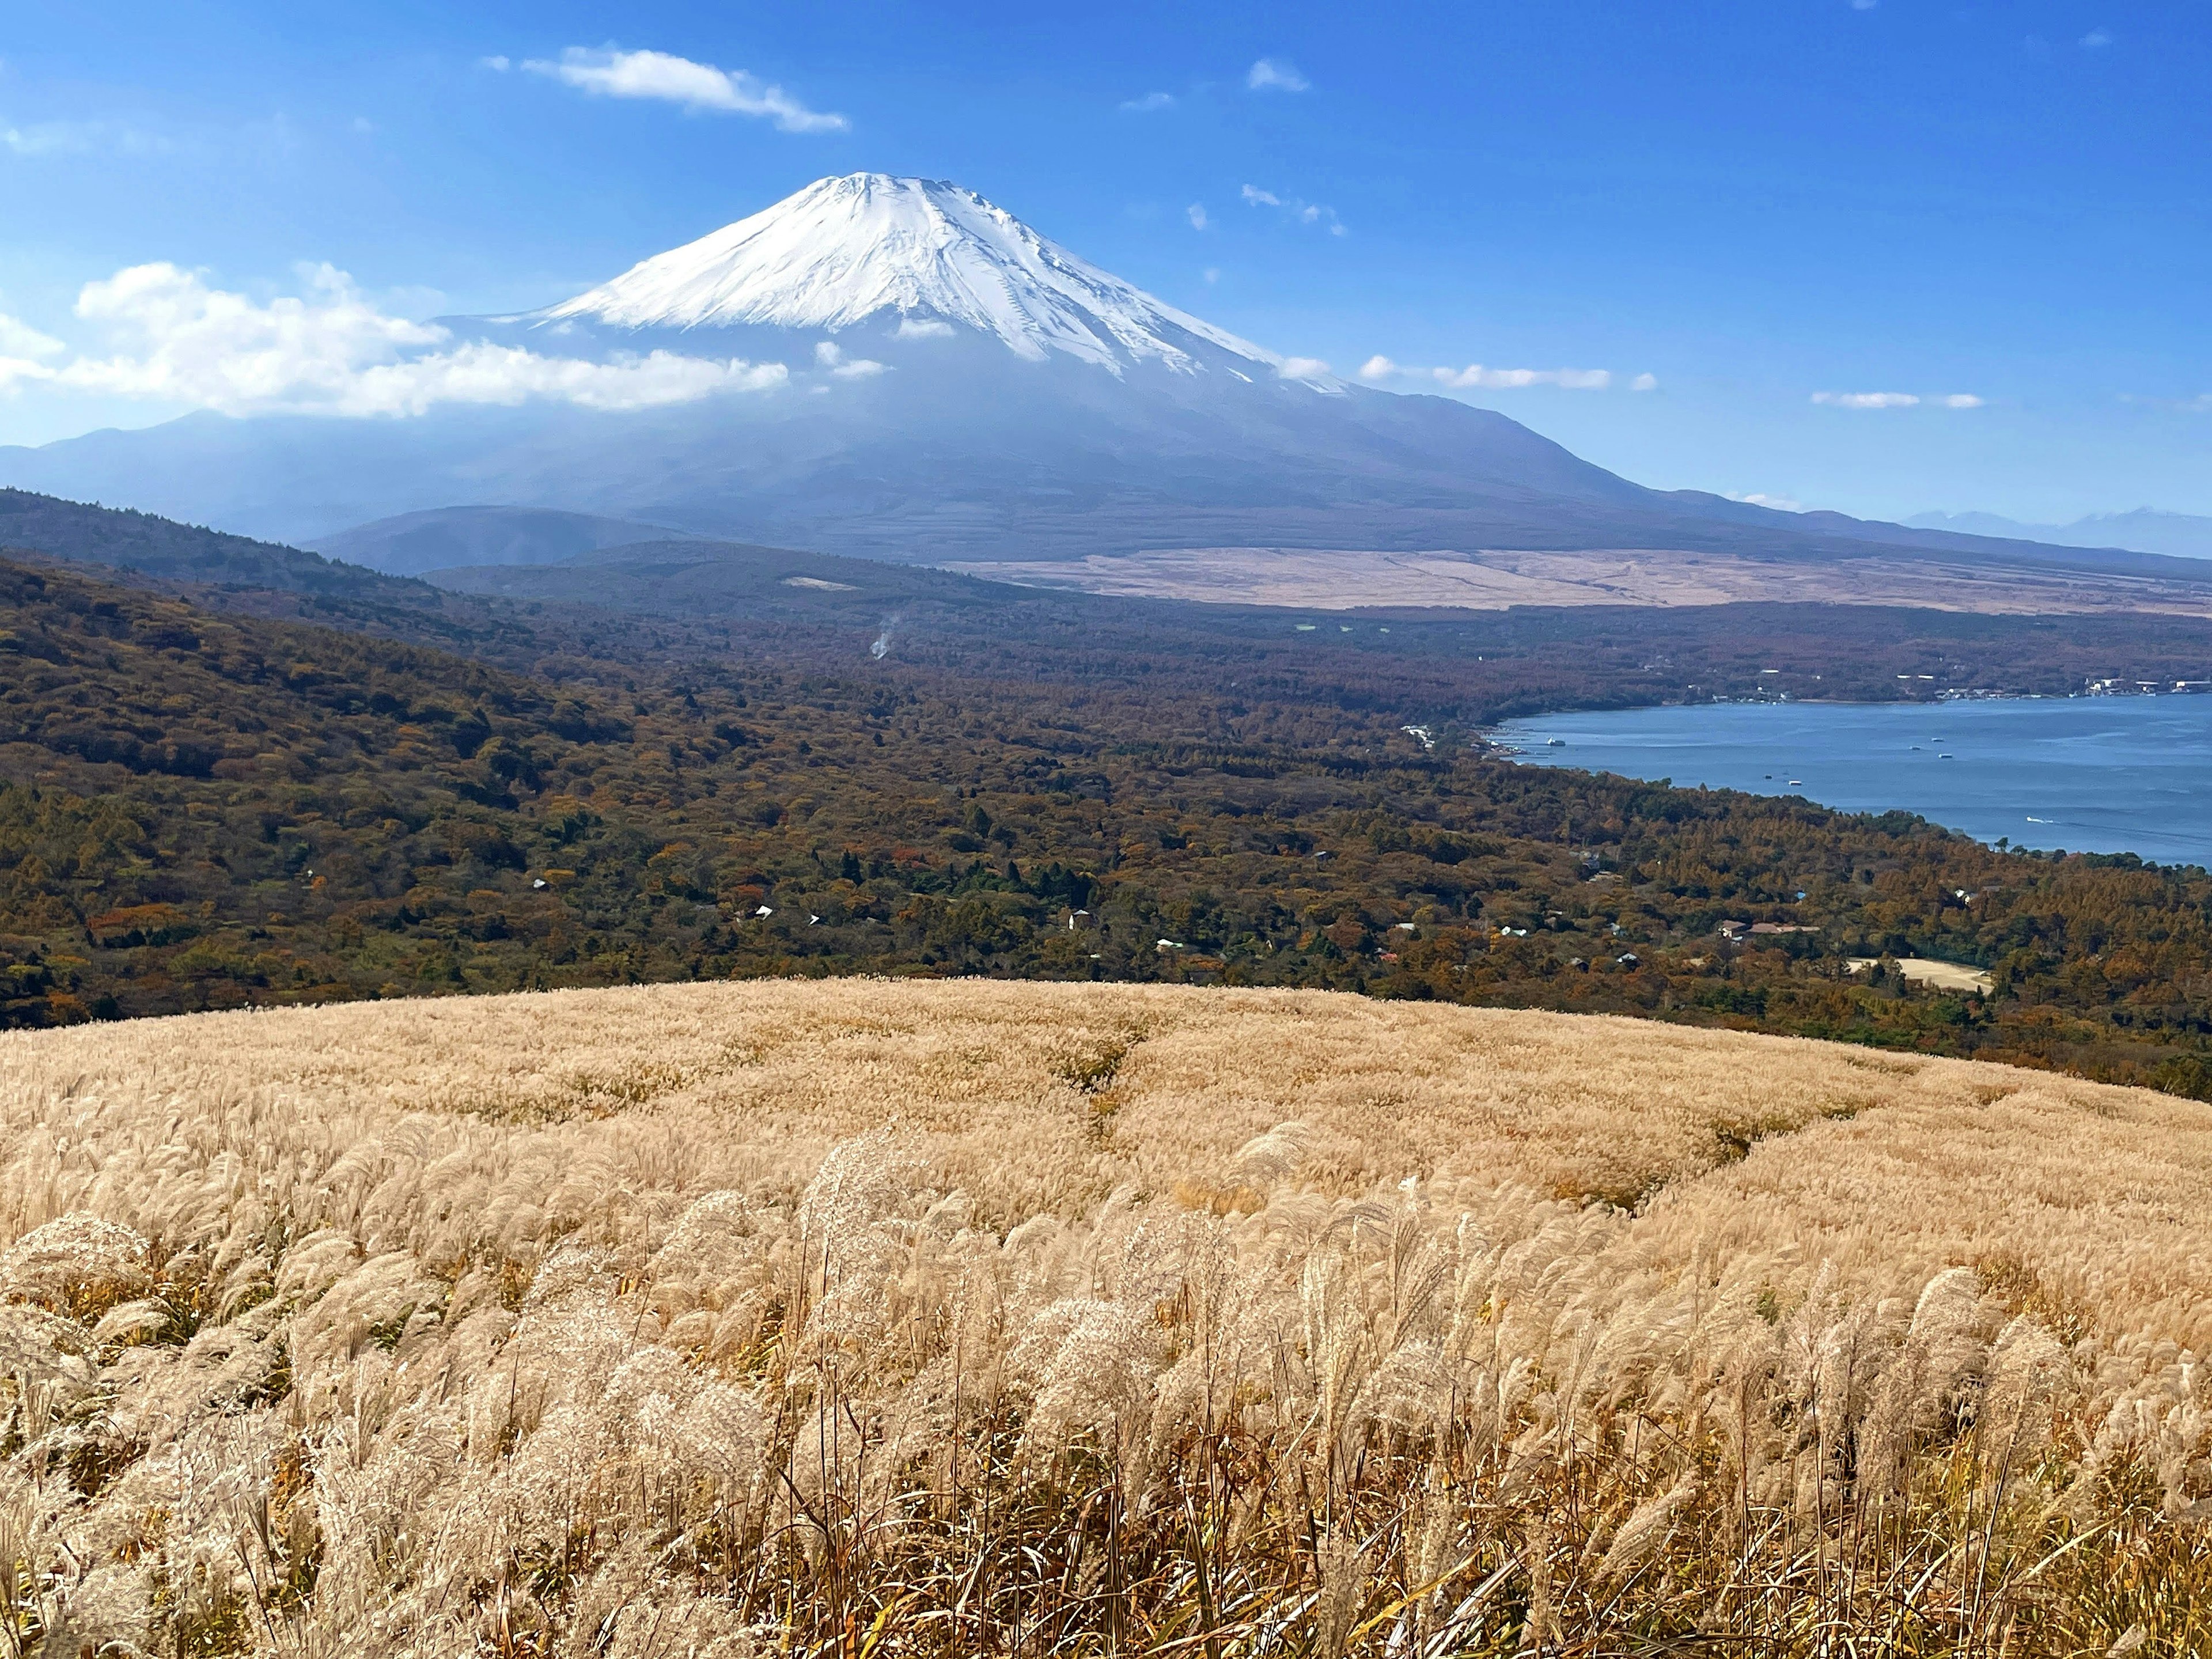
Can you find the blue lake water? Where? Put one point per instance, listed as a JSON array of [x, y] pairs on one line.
[[2092, 774]]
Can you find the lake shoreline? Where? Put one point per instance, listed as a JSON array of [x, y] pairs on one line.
[[2111, 773]]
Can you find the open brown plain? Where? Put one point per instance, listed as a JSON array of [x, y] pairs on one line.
[[871, 1316], [1496, 579]]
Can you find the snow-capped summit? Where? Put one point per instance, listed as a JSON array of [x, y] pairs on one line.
[[919, 250], [891, 366]]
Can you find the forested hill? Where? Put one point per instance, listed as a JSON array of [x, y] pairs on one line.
[[130, 540], [203, 810]]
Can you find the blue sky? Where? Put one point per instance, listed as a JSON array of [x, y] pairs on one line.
[[1789, 215]]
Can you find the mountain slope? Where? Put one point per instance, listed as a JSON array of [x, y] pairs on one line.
[[844, 251], [130, 540], [927, 378], [449, 537]]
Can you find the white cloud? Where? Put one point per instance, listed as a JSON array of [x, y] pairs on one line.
[[1379, 367], [14, 371], [174, 339], [921, 328], [46, 139], [2096, 38], [21, 349], [498, 61], [1212, 273], [1867, 399], [608, 73], [2199, 404], [483, 373], [1196, 211], [1644, 383], [1894, 400], [1572, 379], [19, 339], [1303, 368], [1779, 503], [1864, 5], [1149, 102], [1298, 211], [1276, 75], [831, 356], [81, 138]]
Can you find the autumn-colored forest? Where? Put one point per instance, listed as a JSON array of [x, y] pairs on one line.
[[299, 789]]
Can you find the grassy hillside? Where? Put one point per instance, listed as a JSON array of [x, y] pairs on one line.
[[208, 809], [855, 1316]]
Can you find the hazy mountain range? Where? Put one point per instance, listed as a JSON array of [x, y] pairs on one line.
[[895, 368], [2145, 530]]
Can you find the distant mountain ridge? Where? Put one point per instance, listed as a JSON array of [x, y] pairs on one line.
[[2144, 529], [951, 385]]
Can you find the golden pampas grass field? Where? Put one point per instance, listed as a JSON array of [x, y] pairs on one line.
[[872, 1317]]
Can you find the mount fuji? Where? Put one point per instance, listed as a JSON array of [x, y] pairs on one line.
[[896, 367], [929, 257]]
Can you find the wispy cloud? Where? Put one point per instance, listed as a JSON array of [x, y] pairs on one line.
[[1867, 399], [47, 138], [1779, 503], [1571, 380], [1644, 383], [1298, 212], [831, 355], [2096, 38], [1276, 75], [2200, 404], [1897, 400], [172, 339], [1303, 369], [1379, 368], [1149, 102], [606, 72], [19, 339], [23, 352], [922, 328], [1196, 211], [42, 138]]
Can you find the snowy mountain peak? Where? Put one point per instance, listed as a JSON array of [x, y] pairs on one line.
[[843, 251]]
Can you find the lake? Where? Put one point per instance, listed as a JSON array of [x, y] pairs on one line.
[[2094, 774]]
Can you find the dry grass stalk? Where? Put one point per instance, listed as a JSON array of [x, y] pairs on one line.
[[862, 1331]]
